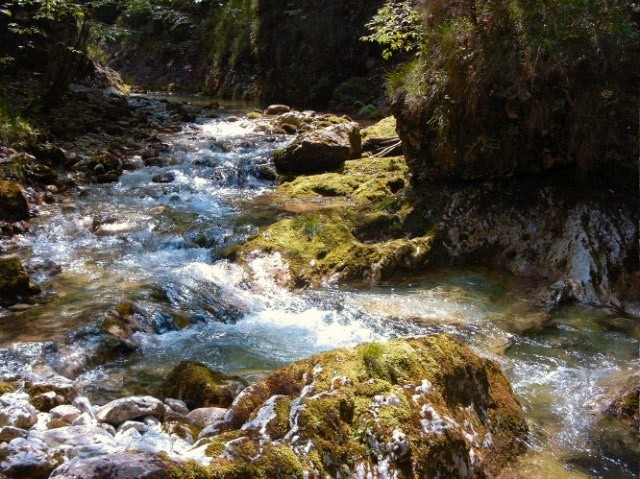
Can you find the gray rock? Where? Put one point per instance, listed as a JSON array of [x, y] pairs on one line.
[[65, 412], [206, 416], [115, 466], [320, 150], [121, 410], [177, 405], [81, 441], [16, 411], [26, 458]]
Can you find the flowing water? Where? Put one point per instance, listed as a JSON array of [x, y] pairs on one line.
[[160, 247]]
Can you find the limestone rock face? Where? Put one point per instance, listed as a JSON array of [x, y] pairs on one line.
[[420, 407], [321, 150], [13, 202]]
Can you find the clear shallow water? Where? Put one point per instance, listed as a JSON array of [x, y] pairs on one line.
[[159, 246]]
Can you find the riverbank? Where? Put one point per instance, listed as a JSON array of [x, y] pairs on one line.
[[136, 278]]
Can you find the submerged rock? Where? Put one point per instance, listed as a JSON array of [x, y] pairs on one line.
[[199, 386], [420, 407], [320, 150], [13, 202]]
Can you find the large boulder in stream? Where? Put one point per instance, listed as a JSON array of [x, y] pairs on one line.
[[13, 202], [320, 150], [417, 407], [15, 285]]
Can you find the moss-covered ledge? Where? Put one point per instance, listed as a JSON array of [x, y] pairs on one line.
[[352, 224]]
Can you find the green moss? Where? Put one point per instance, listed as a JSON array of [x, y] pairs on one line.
[[199, 386], [254, 115], [7, 387], [359, 237], [385, 128], [277, 462], [219, 443]]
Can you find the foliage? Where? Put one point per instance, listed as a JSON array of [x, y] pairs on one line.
[[396, 27], [497, 82], [13, 128]]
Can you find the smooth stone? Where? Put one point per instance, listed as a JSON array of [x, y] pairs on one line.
[[277, 109], [203, 417], [66, 412], [121, 410]]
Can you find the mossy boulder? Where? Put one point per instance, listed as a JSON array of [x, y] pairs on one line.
[[199, 386], [320, 150], [350, 225], [417, 407], [13, 202], [15, 285]]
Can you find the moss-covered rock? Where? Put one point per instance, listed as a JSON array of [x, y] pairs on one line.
[[351, 225], [419, 407], [13, 202], [15, 285], [199, 386]]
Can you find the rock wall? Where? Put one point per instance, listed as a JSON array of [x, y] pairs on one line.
[[307, 48]]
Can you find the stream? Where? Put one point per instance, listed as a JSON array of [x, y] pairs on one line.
[[160, 247]]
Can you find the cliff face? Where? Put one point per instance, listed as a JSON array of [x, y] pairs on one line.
[[307, 48]]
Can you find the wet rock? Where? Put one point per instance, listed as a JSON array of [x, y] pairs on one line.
[[320, 150], [17, 411], [203, 417], [118, 411], [27, 458], [47, 394], [15, 285], [199, 386], [381, 410], [115, 466], [163, 178], [13, 202]]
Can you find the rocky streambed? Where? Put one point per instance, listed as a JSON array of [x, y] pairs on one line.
[[160, 237]]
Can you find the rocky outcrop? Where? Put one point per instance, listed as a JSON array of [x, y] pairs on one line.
[[320, 150], [366, 222], [15, 285], [581, 249], [14, 202], [420, 407]]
